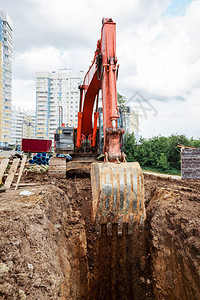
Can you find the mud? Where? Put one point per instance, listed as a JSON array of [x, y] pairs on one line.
[[50, 250]]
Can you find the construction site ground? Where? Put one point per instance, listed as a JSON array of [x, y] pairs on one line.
[[49, 248]]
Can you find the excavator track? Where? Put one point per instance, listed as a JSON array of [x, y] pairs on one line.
[[57, 166], [118, 196]]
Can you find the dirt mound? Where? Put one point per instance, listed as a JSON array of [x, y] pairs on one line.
[[43, 247], [50, 248]]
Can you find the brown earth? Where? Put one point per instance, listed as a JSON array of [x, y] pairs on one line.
[[43, 246], [49, 248], [173, 211]]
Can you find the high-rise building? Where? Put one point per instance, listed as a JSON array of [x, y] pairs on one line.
[[22, 125], [5, 77], [131, 121], [56, 92], [29, 125]]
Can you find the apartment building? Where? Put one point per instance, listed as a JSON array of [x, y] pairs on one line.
[[131, 121], [6, 50], [22, 125], [57, 100], [29, 125]]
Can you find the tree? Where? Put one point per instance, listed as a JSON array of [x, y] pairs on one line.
[[158, 152], [195, 143], [130, 145], [121, 101], [173, 151], [163, 162]]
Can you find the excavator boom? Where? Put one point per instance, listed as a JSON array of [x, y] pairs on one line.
[[102, 75], [117, 186]]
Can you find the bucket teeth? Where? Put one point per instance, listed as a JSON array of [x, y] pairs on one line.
[[98, 225], [109, 228], [120, 225], [130, 224], [118, 196], [142, 219]]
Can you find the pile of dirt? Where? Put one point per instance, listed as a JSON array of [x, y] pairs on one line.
[[43, 246], [50, 248]]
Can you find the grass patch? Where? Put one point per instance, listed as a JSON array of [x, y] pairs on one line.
[[156, 170]]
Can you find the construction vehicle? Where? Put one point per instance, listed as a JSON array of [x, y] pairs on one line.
[[63, 136], [117, 186], [63, 140]]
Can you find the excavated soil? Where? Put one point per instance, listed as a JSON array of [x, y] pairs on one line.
[[49, 248], [173, 210]]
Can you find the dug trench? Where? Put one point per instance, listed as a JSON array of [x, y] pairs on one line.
[[50, 249], [118, 265]]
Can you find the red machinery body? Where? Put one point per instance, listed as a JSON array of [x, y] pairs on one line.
[[102, 74]]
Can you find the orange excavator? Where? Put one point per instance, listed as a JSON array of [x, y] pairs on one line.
[[117, 186]]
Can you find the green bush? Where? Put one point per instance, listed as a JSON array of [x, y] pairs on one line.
[[158, 153]]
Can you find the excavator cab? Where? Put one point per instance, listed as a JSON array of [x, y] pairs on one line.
[[63, 140]]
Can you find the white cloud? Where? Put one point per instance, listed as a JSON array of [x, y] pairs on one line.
[[159, 54], [38, 59], [173, 116], [49, 58], [24, 94], [165, 56]]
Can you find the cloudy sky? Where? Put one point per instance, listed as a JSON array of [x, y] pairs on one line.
[[158, 48]]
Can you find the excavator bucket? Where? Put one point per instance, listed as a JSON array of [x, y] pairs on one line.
[[118, 196]]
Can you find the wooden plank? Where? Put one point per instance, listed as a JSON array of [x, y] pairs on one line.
[[27, 184], [11, 174], [23, 161], [3, 167]]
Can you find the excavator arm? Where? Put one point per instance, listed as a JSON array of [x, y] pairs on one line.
[[117, 186], [102, 74]]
